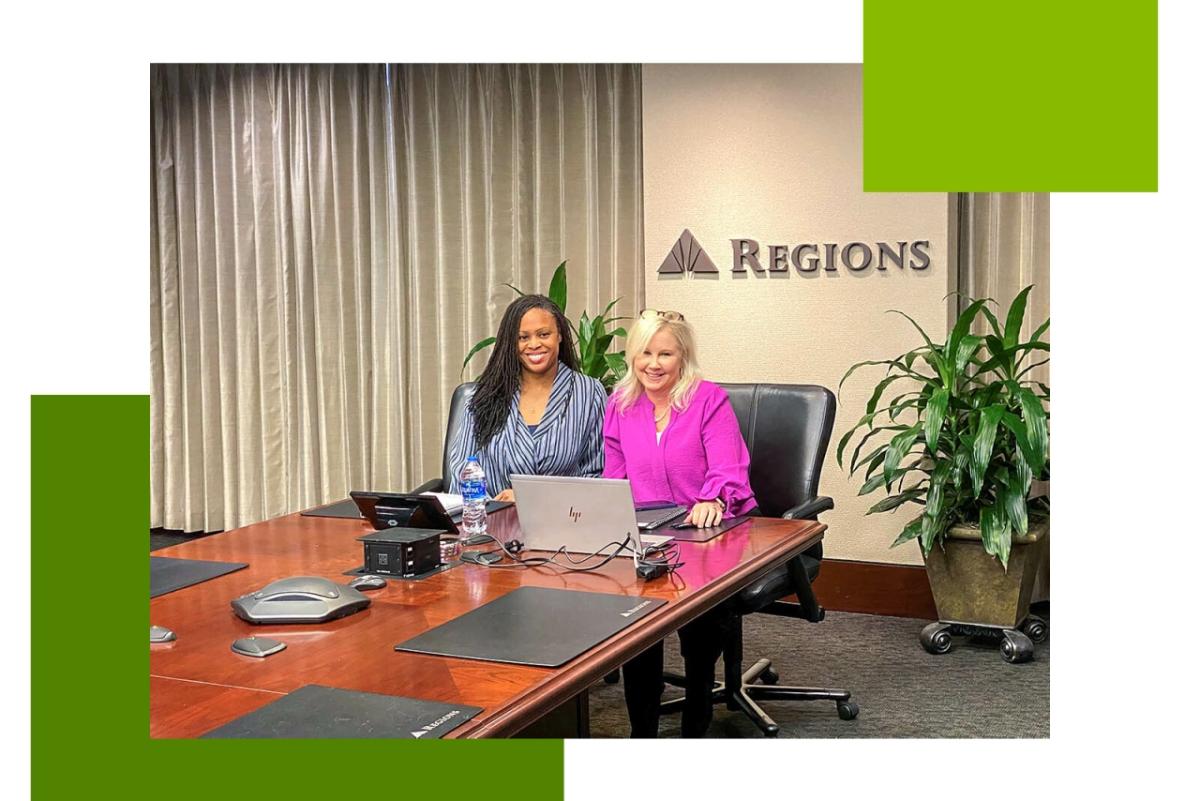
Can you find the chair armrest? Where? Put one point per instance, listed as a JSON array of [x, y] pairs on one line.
[[809, 509], [432, 485]]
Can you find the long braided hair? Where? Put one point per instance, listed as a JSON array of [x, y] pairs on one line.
[[501, 378]]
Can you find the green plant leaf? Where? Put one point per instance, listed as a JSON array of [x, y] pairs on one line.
[[912, 529], [985, 439], [892, 501], [936, 490], [608, 308], [619, 332], [924, 336], [879, 388], [865, 420], [871, 485], [1012, 498], [1000, 359], [616, 363], [893, 411], [896, 363], [935, 413], [942, 367], [931, 530], [1025, 349], [899, 447], [991, 318], [854, 458], [1029, 367], [480, 345], [585, 334], [514, 289], [996, 533], [1016, 315], [967, 349], [875, 463], [1034, 416], [1041, 329], [1024, 475], [962, 457], [558, 287], [962, 327]]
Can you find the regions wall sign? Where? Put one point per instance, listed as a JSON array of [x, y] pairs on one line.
[[687, 256]]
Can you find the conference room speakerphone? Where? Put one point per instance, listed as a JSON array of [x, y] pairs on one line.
[[401, 551]]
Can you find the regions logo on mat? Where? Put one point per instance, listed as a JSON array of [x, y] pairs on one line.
[[687, 257], [421, 732]]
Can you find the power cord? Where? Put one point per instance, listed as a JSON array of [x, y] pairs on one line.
[[667, 562]]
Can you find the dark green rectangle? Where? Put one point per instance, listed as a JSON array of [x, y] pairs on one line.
[[1010, 96], [90, 653]]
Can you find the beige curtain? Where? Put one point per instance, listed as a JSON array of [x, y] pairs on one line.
[[1005, 246], [327, 242]]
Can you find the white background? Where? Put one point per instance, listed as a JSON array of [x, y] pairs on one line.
[[75, 320]]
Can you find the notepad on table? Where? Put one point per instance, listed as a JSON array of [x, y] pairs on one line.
[[451, 502]]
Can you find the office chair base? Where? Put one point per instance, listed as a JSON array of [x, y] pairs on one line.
[[1016, 645], [743, 698]]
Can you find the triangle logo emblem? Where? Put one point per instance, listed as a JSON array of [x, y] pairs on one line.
[[419, 733], [687, 256]]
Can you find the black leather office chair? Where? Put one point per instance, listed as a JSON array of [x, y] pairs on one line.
[[458, 407], [787, 430]]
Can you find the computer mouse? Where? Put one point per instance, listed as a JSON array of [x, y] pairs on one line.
[[369, 583], [161, 634]]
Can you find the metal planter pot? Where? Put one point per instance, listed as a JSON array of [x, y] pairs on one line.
[[970, 587]]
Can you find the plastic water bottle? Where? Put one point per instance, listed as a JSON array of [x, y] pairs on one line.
[[474, 492]]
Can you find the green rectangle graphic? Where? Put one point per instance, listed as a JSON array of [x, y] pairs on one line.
[[1010, 96], [90, 498]]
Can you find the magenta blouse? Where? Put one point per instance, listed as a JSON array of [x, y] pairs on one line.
[[700, 457]]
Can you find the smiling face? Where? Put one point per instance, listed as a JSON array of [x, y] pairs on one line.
[[537, 341], [657, 366]]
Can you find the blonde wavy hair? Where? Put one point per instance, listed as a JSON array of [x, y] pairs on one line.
[[629, 389]]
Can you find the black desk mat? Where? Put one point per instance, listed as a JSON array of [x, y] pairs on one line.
[[533, 626], [699, 534], [314, 711], [344, 508], [349, 510], [168, 574]]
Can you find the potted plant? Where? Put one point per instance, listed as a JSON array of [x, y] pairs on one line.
[[964, 437], [592, 339]]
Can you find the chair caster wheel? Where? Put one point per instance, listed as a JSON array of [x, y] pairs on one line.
[[769, 676], [1016, 647], [847, 710], [935, 638], [1036, 629]]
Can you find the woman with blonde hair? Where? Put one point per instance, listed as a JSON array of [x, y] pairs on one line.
[[676, 438]]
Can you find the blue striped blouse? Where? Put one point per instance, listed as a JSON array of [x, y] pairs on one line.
[[569, 440]]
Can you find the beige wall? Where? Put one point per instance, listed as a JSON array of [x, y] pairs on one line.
[[773, 153]]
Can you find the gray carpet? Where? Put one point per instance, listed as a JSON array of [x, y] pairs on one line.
[[901, 690]]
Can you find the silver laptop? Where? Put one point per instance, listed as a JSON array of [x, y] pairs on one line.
[[582, 515]]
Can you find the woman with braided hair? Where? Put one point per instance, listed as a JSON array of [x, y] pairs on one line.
[[532, 411]]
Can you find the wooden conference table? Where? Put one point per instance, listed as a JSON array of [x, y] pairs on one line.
[[197, 683]]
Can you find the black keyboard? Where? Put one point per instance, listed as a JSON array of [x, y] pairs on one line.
[[649, 519]]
